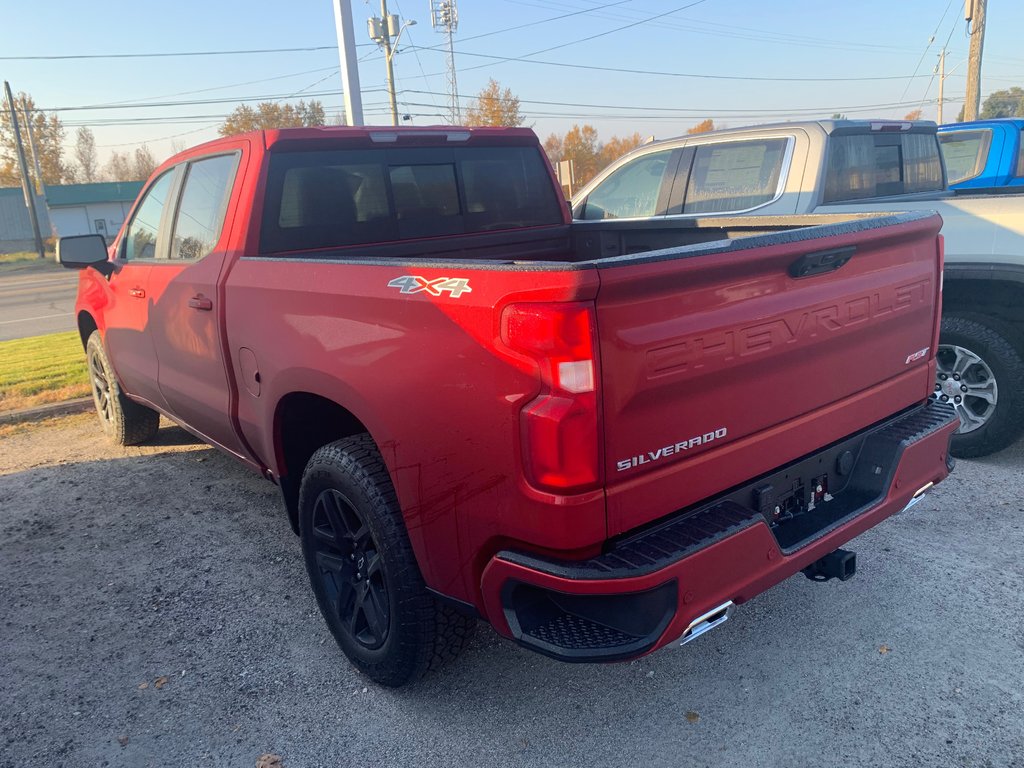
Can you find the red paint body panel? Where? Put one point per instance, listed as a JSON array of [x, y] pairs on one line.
[[431, 382], [730, 342], [441, 395]]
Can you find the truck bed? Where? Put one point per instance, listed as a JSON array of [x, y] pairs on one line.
[[589, 244]]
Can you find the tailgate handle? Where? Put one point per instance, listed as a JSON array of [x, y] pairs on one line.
[[820, 262]]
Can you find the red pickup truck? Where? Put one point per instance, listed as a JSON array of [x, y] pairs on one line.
[[598, 440]]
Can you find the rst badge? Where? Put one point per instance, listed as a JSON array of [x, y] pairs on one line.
[[919, 355], [456, 286]]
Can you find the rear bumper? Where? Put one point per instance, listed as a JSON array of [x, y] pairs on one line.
[[649, 587]]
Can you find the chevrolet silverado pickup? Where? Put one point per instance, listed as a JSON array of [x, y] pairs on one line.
[[984, 154], [600, 440], [857, 166]]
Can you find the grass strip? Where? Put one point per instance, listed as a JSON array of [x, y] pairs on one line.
[[26, 261], [41, 370]]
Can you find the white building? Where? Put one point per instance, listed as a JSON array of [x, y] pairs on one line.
[[98, 209]]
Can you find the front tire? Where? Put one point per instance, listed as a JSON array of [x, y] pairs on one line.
[[363, 570], [124, 421], [981, 373]]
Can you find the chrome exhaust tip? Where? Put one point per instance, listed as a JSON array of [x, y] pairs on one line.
[[918, 495], [704, 623]]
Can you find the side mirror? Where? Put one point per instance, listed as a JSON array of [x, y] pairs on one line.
[[81, 251]]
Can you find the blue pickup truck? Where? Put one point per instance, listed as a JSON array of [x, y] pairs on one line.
[[984, 153]]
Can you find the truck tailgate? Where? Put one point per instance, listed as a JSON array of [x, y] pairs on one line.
[[705, 357]]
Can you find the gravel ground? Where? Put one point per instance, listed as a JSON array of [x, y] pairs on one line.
[[156, 612]]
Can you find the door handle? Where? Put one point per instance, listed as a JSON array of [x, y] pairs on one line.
[[138, 293], [200, 302]]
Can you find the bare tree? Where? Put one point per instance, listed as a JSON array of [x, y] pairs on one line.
[[144, 164], [137, 166], [85, 155], [118, 167]]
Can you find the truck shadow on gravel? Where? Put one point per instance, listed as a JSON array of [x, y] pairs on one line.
[[157, 610], [171, 435]]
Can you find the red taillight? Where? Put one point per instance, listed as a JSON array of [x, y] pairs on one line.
[[559, 427]]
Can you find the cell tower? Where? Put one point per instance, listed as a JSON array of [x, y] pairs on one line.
[[444, 17]]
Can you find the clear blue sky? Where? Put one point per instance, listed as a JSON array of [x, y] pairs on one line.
[[742, 39]]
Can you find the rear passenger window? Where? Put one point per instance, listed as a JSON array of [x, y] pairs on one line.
[[735, 176], [325, 199], [201, 210], [862, 166], [630, 191], [426, 200], [965, 153]]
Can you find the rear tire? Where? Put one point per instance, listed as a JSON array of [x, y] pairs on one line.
[[979, 361], [124, 421], [363, 570]]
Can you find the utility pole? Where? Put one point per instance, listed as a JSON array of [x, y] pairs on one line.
[[349, 64], [40, 186], [942, 81], [387, 59], [444, 16], [381, 31], [974, 13], [26, 185]]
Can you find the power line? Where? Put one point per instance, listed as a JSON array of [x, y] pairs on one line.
[[172, 54], [616, 29], [628, 71], [159, 138], [191, 102], [934, 71], [696, 111], [174, 119], [757, 34], [692, 111], [929, 45], [547, 20], [220, 87], [415, 53], [774, 118]]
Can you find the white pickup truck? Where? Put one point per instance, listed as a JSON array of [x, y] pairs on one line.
[[844, 166]]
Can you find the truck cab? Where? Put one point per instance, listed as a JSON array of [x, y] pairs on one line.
[[984, 153]]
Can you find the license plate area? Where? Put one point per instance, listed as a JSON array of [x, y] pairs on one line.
[[812, 495]]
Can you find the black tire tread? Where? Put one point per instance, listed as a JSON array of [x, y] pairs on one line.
[[131, 423], [431, 633], [1000, 346]]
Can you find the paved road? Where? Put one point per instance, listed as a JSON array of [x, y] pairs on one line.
[[34, 302], [156, 613]]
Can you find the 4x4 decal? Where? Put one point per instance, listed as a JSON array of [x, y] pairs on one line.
[[456, 286]]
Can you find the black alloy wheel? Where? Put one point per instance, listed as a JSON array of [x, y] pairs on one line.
[[101, 391], [363, 571], [351, 569], [124, 421]]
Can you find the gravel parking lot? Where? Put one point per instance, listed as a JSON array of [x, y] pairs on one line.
[[156, 612]]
